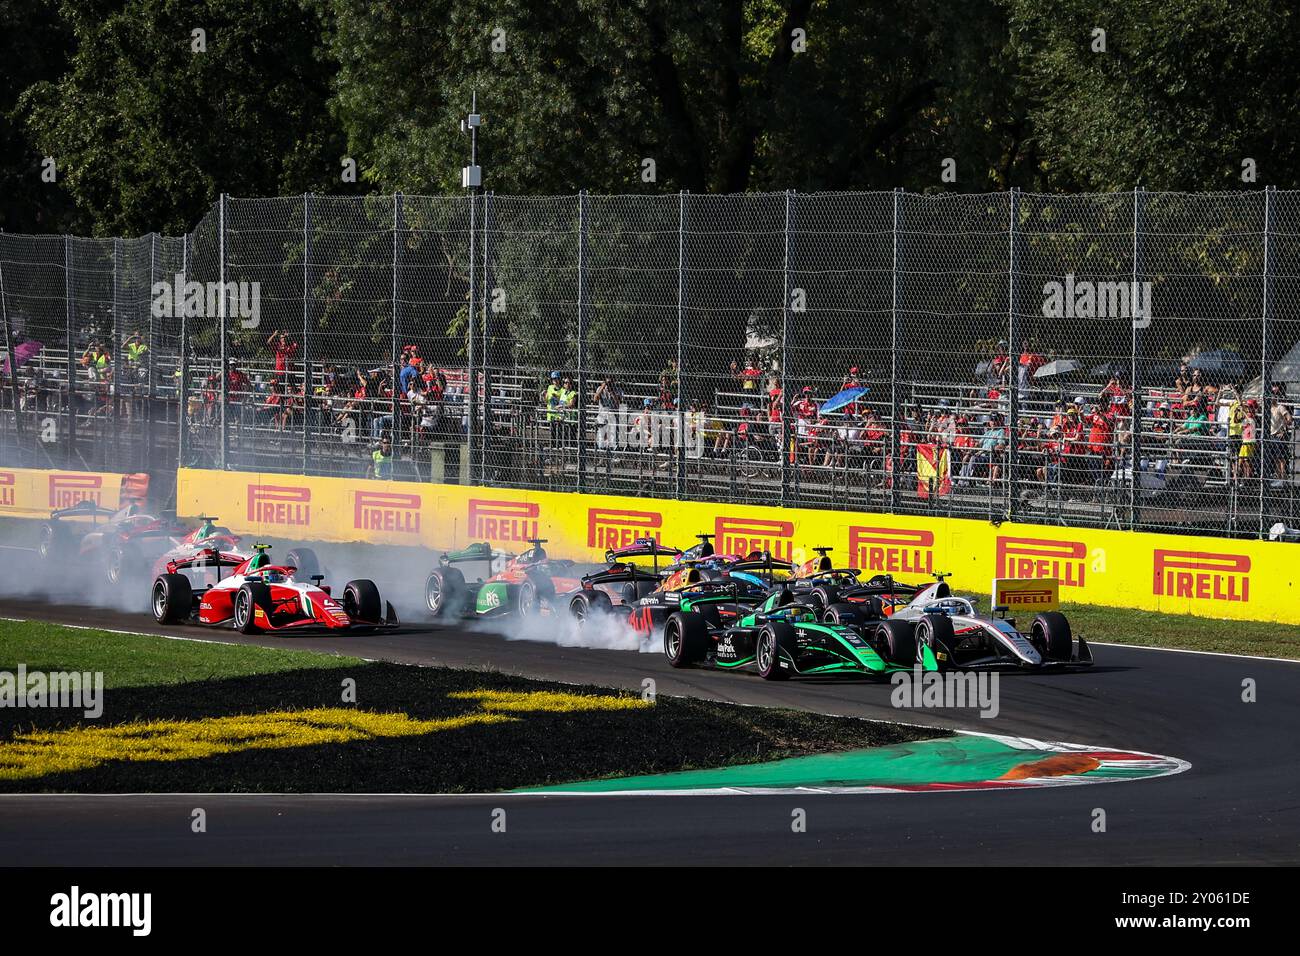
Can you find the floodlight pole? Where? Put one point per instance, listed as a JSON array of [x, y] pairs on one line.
[[471, 179]]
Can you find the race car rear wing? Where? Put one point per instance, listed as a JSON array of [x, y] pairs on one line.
[[643, 548], [85, 508], [618, 574]]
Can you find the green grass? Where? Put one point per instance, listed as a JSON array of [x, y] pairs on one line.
[[1154, 629], [128, 660], [153, 679]]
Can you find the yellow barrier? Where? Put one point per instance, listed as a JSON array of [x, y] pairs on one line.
[[35, 492], [1214, 577]]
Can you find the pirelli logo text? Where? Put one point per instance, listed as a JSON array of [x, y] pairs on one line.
[[286, 505], [743, 535], [8, 484], [503, 520], [608, 528], [1043, 558], [891, 550], [1019, 594], [389, 512], [1201, 576], [68, 489]]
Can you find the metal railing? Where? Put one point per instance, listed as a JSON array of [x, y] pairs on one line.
[[1115, 360]]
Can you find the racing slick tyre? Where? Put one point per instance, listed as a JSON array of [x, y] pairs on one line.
[[936, 632], [120, 564], [247, 598], [1051, 636], [444, 591], [55, 542], [686, 638], [587, 604], [361, 601], [634, 591], [842, 613], [527, 599], [172, 598], [305, 560], [898, 641], [823, 596], [775, 641]]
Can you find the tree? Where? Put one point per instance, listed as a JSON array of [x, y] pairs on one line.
[[148, 127]]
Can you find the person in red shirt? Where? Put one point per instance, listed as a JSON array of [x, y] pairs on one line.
[[284, 350]]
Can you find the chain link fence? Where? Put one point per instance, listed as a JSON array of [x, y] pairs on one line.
[[1120, 360]]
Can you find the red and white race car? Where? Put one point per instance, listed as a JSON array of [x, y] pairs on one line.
[[210, 537], [259, 596]]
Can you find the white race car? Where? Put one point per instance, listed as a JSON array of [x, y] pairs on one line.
[[962, 639]]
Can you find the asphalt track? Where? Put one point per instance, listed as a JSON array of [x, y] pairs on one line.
[[1238, 804]]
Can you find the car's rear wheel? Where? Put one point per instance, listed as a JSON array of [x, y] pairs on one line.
[[1051, 636], [686, 638], [588, 604], [444, 591], [54, 544], [823, 596], [306, 562], [119, 564], [842, 614], [776, 646], [526, 600], [897, 641], [936, 632], [361, 601], [172, 598]]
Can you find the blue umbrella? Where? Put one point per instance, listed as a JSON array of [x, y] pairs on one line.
[[841, 399]]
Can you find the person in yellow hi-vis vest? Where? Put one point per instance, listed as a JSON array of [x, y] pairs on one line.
[[1249, 440], [1236, 425]]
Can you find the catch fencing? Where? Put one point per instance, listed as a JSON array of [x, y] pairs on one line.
[[1119, 360]]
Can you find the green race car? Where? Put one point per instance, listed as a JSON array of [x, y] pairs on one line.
[[780, 638]]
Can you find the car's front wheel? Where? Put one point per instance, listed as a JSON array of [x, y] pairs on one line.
[[686, 638], [775, 652], [172, 598]]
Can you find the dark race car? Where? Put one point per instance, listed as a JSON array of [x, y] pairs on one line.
[[255, 595], [624, 582], [116, 544], [781, 637]]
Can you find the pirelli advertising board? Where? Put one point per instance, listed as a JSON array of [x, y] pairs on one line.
[[35, 492], [1215, 577]]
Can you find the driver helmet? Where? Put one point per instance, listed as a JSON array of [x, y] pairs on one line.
[[275, 577]]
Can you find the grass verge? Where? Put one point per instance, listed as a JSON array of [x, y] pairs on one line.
[[1185, 631], [183, 716]]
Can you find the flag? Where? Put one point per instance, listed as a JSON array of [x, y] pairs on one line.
[[932, 468]]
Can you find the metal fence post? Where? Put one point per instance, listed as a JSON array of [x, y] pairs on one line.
[[582, 340], [150, 347], [1013, 352], [308, 381], [117, 366], [395, 348], [485, 438], [1135, 412], [471, 384], [895, 415], [183, 386], [1265, 373], [680, 489], [13, 363], [70, 387], [224, 370], [785, 431]]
